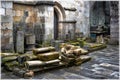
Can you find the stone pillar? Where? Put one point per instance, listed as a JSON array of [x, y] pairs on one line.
[[6, 26], [20, 42]]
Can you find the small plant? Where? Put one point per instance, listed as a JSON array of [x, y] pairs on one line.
[[81, 41], [46, 44]]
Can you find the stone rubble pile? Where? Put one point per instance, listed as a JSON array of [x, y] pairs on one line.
[[73, 55], [40, 59]]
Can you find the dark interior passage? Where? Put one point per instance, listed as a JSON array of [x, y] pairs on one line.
[[55, 25]]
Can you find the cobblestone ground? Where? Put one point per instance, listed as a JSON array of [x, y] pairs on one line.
[[104, 65]]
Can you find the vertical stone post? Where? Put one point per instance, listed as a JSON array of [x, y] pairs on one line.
[[20, 42]]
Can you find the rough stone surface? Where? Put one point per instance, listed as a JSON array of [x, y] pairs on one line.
[[6, 18], [9, 12], [8, 4], [81, 15], [104, 65], [6, 25], [20, 42], [114, 22]]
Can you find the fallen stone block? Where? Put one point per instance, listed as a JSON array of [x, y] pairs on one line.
[[82, 59], [80, 51], [48, 56], [8, 54], [33, 65], [95, 46], [10, 65], [69, 54], [67, 60], [43, 50], [8, 59]]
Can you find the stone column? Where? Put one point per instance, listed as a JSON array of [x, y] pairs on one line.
[[20, 42]]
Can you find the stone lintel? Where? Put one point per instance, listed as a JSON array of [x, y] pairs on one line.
[[67, 21], [35, 3], [70, 9]]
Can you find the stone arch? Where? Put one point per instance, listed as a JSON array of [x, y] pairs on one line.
[[60, 11], [61, 17]]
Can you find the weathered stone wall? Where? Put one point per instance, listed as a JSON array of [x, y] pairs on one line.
[[6, 26], [114, 22], [24, 19], [45, 19], [97, 14], [81, 14], [19, 11]]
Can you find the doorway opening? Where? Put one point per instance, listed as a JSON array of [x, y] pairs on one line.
[[55, 25]]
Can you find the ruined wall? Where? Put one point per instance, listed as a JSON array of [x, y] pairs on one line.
[[23, 10], [6, 26], [114, 22], [81, 14], [97, 15], [24, 19]]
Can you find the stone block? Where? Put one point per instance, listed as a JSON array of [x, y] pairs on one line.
[[6, 32], [7, 4], [4, 40], [17, 18], [20, 42], [2, 11], [42, 19], [7, 48], [6, 25], [6, 44], [30, 39], [13, 11], [114, 34], [9, 12], [114, 41], [19, 13], [6, 18]]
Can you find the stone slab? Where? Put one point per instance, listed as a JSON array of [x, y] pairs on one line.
[[19, 13]]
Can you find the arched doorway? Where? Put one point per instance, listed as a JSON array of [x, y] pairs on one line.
[[59, 15]]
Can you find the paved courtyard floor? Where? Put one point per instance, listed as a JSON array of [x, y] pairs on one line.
[[103, 65]]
